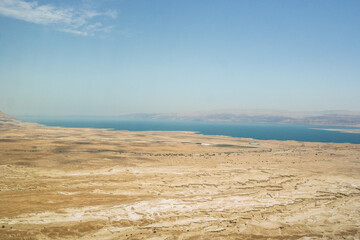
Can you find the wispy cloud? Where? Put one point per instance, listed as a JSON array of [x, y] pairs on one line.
[[84, 22]]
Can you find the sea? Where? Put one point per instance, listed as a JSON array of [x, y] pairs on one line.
[[306, 133]]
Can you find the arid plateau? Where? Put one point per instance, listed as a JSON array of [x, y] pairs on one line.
[[81, 183]]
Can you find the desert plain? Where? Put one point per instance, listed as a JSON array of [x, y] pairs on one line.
[[80, 183]]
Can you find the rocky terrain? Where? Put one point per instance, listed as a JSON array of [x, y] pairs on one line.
[[72, 183]]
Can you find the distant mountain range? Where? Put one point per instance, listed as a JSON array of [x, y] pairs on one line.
[[329, 118], [337, 118]]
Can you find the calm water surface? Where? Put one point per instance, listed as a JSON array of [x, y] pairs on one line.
[[256, 131]]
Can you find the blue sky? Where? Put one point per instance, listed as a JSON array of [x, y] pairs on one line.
[[113, 57]]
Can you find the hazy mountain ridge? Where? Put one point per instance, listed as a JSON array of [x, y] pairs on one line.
[[330, 118], [339, 118]]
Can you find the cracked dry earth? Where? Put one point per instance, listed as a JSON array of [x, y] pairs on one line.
[[67, 183]]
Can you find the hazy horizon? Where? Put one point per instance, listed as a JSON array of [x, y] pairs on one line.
[[107, 58], [215, 111]]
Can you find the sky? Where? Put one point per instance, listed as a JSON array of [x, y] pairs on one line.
[[113, 57]]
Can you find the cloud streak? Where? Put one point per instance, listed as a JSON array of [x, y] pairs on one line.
[[85, 22]]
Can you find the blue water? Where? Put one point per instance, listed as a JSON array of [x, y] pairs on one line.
[[256, 131]]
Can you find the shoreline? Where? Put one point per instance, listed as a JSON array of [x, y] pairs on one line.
[[103, 184], [343, 130], [284, 136]]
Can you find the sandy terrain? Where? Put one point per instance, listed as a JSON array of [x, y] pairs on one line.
[[59, 183]]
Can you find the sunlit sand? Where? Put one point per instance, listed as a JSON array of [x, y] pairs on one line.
[[100, 184]]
